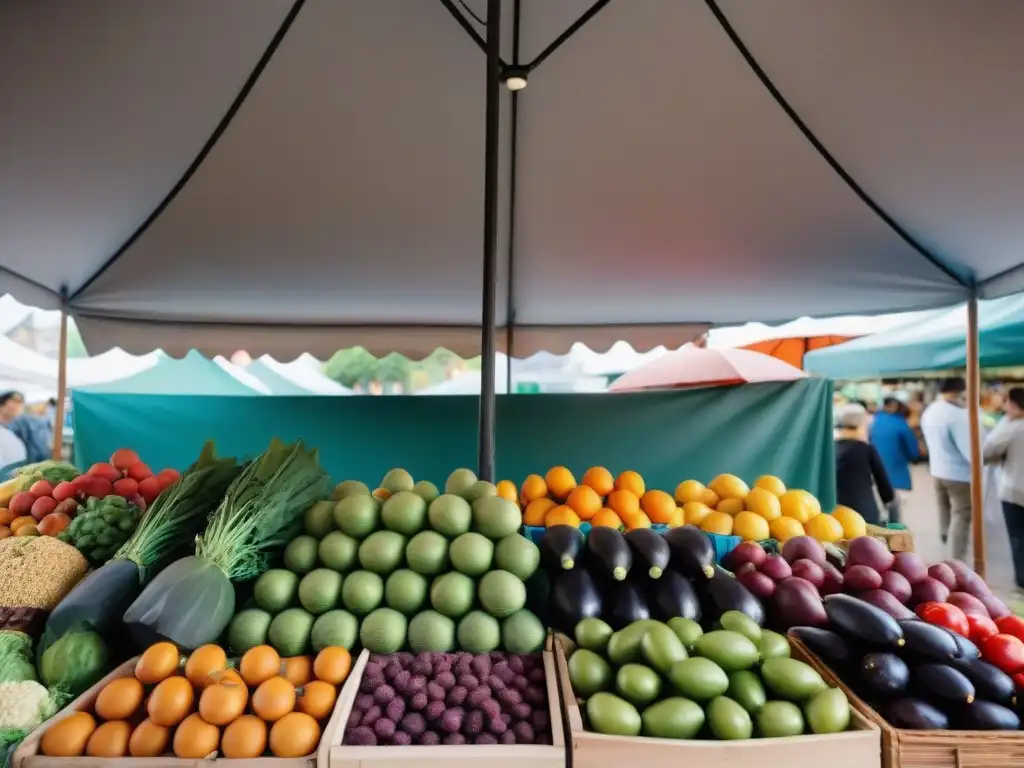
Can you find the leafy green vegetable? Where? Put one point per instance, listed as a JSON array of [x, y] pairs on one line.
[[75, 662]]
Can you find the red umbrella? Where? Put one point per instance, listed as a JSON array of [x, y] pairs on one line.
[[691, 366]]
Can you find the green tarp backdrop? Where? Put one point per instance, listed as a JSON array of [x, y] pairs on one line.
[[783, 429]]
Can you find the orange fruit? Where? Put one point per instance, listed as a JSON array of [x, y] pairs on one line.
[[689, 490], [764, 502], [824, 528], [507, 490], [194, 739], [600, 479], [607, 517], [119, 699], [159, 661], [584, 501], [332, 664], [729, 487], [799, 505], [561, 515], [677, 518], [68, 736], [631, 481], [658, 506], [246, 737], [560, 482], [731, 506], [717, 522], [636, 520], [751, 526], [694, 512], [785, 528], [771, 483], [853, 524], [536, 510], [534, 488], [709, 498], [624, 502]]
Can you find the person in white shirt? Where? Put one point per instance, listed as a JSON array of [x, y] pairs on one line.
[[12, 450], [1005, 446]]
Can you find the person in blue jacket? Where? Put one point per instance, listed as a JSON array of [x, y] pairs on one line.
[[897, 445]]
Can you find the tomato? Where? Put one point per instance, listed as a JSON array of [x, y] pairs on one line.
[[1005, 651], [980, 627], [1011, 625], [1018, 680], [945, 615]]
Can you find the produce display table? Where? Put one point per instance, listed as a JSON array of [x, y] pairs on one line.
[[857, 748], [928, 749]]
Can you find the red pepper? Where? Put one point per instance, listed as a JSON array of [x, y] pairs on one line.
[[945, 615], [1005, 651], [980, 627], [1011, 625]]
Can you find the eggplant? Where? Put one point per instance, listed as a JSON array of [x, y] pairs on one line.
[[624, 603], [928, 642], [914, 714], [862, 621], [990, 682], [560, 547], [651, 549], [692, 551], [941, 683], [672, 595], [828, 646], [986, 716], [967, 648], [608, 553], [883, 676], [574, 596], [723, 592]]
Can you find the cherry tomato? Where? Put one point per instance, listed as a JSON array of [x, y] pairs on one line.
[[1005, 651], [945, 615], [980, 627], [1011, 625]]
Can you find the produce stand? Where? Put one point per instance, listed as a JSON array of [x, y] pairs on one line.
[[857, 748], [903, 748], [494, 756]]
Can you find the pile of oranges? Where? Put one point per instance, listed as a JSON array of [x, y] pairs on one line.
[[725, 506]]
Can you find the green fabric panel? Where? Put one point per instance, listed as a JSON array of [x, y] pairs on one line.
[[191, 375], [783, 429], [275, 382]]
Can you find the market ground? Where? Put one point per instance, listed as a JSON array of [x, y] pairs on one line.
[[920, 514]]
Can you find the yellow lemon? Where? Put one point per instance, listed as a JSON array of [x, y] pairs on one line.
[[689, 490], [764, 502], [771, 483], [731, 506], [506, 489], [853, 524], [717, 522], [751, 526], [677, 518], [709, 498], [729, 487], [785, 528], [799, 505], [824, 528], [694, 512]]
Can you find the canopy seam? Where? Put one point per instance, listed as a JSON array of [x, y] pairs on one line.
[[30, 281]]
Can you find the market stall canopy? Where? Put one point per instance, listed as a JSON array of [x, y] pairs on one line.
[[20, 366], [305, 371], [111, 365], [282, 175], [275, 382], [193, 374], [691, 366], [934, 343]]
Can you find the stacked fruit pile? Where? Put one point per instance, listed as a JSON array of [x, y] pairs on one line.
[[264, 705], [672, 681], [450, 698], [401, 567]]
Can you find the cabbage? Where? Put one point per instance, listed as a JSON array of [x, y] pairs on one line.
[[75, 662]]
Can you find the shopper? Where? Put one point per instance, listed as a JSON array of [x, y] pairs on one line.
[[33, 430], [859, 469], [947, 436], [1005, 446], [897, 446]]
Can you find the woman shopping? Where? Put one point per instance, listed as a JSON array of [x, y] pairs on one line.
[[1005, 446], [859, 468]]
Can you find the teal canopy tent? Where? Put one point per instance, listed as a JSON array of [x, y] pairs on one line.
[[934, 342], [274, 381], [191, 375]]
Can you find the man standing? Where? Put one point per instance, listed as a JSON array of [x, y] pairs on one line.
[[947, 436], [897, 446]]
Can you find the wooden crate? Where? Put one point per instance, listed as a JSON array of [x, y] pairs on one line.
[[929, 749], [857, 748], [441, 756], [898, 540], [27, 754]]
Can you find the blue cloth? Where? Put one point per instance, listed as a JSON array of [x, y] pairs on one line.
[[948, 437], [897, 445], [37, 436]]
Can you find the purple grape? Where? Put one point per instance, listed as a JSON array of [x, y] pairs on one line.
[[401, 739], [473, 723], [395, 709], [383, 695], [446, 680], [372, 669], [521, 711], [419, 701], [401, 681], [361, 737], [430, 739], [496, 683], [435, 692], [371, 716], [524, 733], [478, 695], [454, 739], [481, 666], [486, 738], [416, 684], [508, 737], [434, 710], [371, 684], [363, 701], [451, 720], [457, 696], [384, 728], [515, 663], [496, 726], [509, 697], [491, 708], [413, 723], [540, 720], [504, 672]]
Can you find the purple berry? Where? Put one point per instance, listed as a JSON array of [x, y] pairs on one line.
[[540, 721], [464, 666], [478, 695], [496, 656], [383, 695], [434, 710], [520, 683], [401, 739], [420, 667], [451, 720], [372, 669], [418, 701], [430, 739], [413, 723], [443, 662], [361, 737], [468, 681], [473, 723], [435, 692], [496, 683], [370, 684], [364, 701], [417, 684], [515, 663], [454, 739], [491, 708], [355, 717], [509, 697], [481, 666], [401, 681], [371, 715], [508, 737], [384, 728], [524, 733], [395, 709], [446, 680], [535, 695], [504, 672], [486, 738], [457, 696], [506, 718], [392, 669], [521, 711], [496, 726], [537, 675]]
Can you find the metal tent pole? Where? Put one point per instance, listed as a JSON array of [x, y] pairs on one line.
[[974, 420], [487, 383], [62, 382]]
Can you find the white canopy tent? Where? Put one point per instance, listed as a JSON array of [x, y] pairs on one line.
[[307, 372], [810, 327]]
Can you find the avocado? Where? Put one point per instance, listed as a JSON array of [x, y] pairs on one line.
[[687, 630], [773, 645], [746, 688], [624, 645], [780, 719], [661, 648], [828, 711], [728, 720], [637, 684], [698, 679], [729, 650], [610, 715], [791, 679], [737, 621], [673, 718], [589, 673], [593, 634]]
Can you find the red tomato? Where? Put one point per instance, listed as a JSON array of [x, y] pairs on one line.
[[1018, 680], [1011, 625], [980, 628], [945, 615], [1005, 651]]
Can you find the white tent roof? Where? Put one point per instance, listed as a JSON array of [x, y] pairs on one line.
[[242, 375], [22, 366], [809, 327], [282, 175], [112, 365], [307, 372]]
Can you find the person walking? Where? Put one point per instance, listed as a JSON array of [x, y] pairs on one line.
[[947, 436], [1005, 446], [897, 446], [859, 469]]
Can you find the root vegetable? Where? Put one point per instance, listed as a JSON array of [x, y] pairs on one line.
[[910, 566], [929, 590], [897, 585], [968, 603], [943, 573], [834, 580], [887, 602], [866, 550], [862, 577], [776, 568], [803, 548], [810, 570]]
